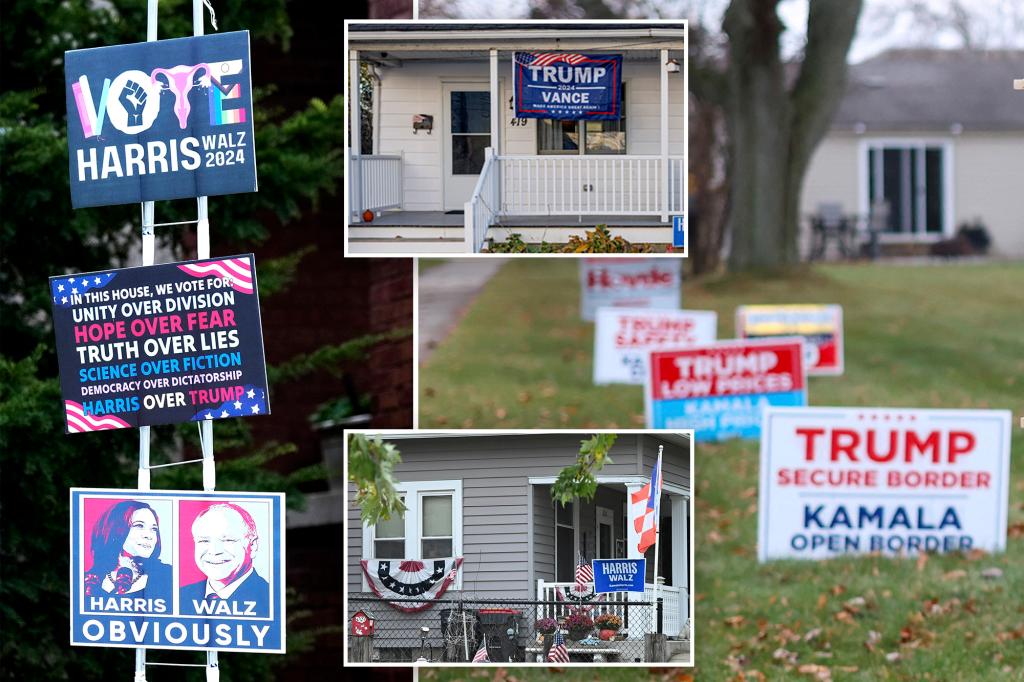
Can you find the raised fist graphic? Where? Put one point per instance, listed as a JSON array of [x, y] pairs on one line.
[[133, 99]]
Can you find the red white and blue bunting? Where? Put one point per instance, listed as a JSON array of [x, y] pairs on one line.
[[404, 578]]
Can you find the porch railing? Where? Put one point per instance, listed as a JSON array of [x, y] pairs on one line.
[[375, 183], [673, 605], [483, 206]]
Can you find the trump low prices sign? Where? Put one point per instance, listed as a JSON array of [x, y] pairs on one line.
[[720, 390], [820, 325], [619, 575], [178, 570], [167, 119], [629, 283], [160, 344], [563, 85], [624, 337], [838, 481]]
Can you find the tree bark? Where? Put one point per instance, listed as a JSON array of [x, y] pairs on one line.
[[774, 129]]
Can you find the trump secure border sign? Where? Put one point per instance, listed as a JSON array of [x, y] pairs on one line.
[[178, 570], [837, 481], [167, 119], [568, 86]]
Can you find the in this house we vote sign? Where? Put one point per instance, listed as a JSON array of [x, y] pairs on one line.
[[167, 119], [160, 344], [568, 86]]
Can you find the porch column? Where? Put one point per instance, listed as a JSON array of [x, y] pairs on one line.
[[355, 193], [496, 130], [637, 624], [663, 65], [680, 549]]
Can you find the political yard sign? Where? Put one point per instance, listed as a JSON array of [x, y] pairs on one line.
[[167, 119], [629, 283], [820, 325], [160, 344], [567, 86], [619, 575], [178, 570], [624, 337], [721, 389], [837, 481]]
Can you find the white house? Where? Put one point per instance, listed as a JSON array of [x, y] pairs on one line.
[[452, 166], [938, 136]]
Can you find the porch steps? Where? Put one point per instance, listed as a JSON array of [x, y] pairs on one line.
[[564, 231], [405, 245], [449, 239]]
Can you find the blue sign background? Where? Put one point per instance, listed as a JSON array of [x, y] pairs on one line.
[[568, 86], [721, 417], [129, 115], [155, 629], [619, 580], [678, 231]]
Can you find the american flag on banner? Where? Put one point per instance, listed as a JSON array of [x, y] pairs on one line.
[[238, 270], [80, 422], [548, 58], [644, 506], [251, 403], [558, 653], [584, 575], [481, 654], [65, 289]]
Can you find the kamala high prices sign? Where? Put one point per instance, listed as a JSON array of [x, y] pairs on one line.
[[160, 344], [838, 481], [167, 119], [568, 86]]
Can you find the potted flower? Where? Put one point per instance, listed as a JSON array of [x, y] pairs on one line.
[[608, 624], [579, 626], [546, 628]]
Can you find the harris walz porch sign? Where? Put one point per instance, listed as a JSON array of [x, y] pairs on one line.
[[167, 119], [568, 86]]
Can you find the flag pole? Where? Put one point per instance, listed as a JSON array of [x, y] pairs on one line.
[[657, 536]]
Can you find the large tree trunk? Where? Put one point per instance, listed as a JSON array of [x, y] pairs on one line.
[[773, 129]]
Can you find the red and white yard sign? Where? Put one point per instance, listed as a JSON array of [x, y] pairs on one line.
[[837, 481], [629, 283]]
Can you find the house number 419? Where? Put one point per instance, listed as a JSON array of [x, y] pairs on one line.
[[518, 122]]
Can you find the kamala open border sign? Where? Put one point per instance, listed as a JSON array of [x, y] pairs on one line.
[[160, 344]]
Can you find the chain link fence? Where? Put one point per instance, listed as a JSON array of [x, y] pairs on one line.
[[516, 630]]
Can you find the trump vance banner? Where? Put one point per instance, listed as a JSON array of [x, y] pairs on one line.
[[567, 86], [178, 570]]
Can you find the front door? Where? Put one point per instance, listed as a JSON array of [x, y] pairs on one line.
[[467, 132]]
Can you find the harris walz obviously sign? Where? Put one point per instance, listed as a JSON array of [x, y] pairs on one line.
[[561, 85], [160, 344], [168, 119]]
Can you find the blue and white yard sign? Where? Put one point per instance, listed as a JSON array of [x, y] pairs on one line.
[[568, 86], [619, 575], [678, 231], [168, 119], [174, 569]]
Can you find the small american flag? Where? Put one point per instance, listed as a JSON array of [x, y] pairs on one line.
[[584, 575], [237, 270], [558, 653], [481, 654], [547, 58], [66, 289], [252, 403]]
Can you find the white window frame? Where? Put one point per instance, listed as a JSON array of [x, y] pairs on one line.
[[581, 128], [414, 492], [863, 183]]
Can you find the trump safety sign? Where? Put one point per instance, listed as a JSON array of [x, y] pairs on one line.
[[167, 119], [176, 569], [629, 283], [838, 481], [721, 389], [568, 86], [624, 337], [160, 344], [820, 325]]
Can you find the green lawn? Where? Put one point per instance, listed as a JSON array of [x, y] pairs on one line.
[[950, 336]]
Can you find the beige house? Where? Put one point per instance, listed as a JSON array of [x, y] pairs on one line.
[[936, 134]]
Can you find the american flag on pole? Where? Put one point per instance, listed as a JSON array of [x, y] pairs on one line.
[[481, 654], [558, 653], [584, 575], [644, 504]]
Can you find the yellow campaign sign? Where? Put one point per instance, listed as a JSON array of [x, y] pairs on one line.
[[771, 320]]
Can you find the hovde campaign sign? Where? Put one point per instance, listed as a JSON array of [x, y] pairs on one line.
[[820, 325], [160, 344], [178, 570], [720, 390], [629, 283], [619, 575], [167, 119], [624, 337], [838, 481], [562, 85]]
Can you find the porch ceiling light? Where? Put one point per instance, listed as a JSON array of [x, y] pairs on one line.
[[672, 66]]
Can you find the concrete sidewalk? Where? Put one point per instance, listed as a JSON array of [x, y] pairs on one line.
[[445, 293]]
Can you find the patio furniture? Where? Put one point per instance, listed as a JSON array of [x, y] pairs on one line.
[[831, 224]]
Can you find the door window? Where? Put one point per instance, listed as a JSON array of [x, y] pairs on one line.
[[471, 130]]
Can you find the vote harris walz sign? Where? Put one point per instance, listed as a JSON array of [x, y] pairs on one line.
[[178, 570], [160, 344], [167, 119], [837, 481], [568, 86]]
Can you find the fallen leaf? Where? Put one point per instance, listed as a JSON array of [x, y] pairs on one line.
[[844, 616], [893, 656], [500, 413], [822, 600], [957, 574], [992, 573], [838, 590], [922, 559], [812, 634], [734, 621]]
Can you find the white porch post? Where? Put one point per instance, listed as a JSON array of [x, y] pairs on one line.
[[355, 192], [680, 549], [496, 129], [664, 136]]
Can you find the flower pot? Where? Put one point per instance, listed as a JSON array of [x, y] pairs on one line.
[[607, 635], [577, 634]]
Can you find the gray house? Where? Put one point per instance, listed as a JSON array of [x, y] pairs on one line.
[[487, 499]]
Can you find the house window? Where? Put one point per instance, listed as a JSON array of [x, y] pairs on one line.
[[565, 542], [909, 178], [471, 130], [431, 527], [436, 530], [389, 542], [583, 137]]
